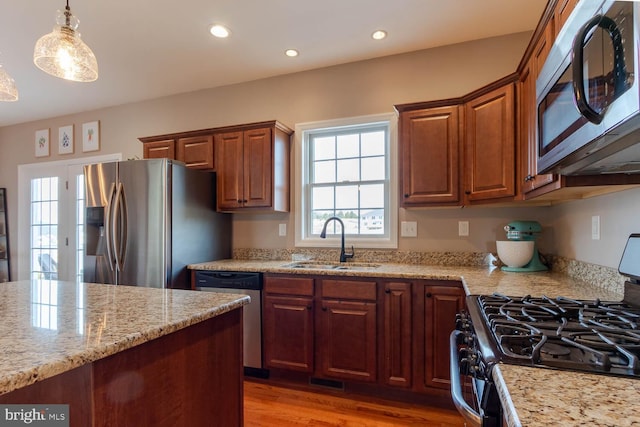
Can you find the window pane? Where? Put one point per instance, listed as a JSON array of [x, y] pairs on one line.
[[373, 143], [318, 218], [373, 169], [322, 198], [347, 197], [324, 148], [372, 196], [348, 170], [324, 171], [349, 145], [372, 222]]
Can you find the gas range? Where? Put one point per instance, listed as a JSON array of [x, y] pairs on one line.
[[592, 336]]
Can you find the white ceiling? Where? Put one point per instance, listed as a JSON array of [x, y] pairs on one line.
[[152, 48]]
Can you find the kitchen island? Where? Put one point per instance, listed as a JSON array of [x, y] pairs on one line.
[[530, 396], [122, 355]]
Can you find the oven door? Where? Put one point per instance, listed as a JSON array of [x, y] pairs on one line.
[[485, 409], [587, 86]]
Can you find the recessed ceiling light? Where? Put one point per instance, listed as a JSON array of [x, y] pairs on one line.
[[291, 52], [219, 31], [379, 34]]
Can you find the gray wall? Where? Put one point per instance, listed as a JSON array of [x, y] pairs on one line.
[[367, 87]]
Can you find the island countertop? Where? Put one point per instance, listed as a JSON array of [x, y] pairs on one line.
[[532, 397], [50, 327]]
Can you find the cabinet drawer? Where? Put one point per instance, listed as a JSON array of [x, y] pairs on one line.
[[288, 285], [349, 289]]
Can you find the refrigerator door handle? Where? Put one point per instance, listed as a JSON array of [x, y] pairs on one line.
[[119, 231], [108, 226]]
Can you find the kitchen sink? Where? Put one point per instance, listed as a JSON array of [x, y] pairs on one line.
[[318, 265]]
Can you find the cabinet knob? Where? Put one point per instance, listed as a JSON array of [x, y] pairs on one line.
[[528, 178], [467, 192], [324, 308], [428, 295], [387, 291], [308, 307], [406, 195]]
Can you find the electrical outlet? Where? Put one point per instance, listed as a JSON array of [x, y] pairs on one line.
[[282, 230], [463, 228], [595, 227], [409, 229]]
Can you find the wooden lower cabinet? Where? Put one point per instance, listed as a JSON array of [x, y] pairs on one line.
[[287, 323], [397, 334], [441, 303], [347, 331], [387, 332]]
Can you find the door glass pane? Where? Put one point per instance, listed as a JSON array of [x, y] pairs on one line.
[[44, 228], [79, 227]]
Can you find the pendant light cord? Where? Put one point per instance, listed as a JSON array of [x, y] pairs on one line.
[[67, 15]]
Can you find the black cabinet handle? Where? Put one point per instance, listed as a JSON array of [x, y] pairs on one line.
[[428, 295], [406, 195], [387, 291], [324, 308], [467, 192], [308, 307]]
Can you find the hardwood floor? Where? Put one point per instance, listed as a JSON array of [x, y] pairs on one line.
[[269, 405]]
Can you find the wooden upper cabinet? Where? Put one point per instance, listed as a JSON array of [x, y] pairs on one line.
[[561, 12], [196, 151], [490, 145], [253, 168], [430, 156], [160, 149]]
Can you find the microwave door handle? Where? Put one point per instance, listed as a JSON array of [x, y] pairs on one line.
[[620, 68]]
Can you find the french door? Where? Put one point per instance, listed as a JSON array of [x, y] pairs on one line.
[[51, 219]]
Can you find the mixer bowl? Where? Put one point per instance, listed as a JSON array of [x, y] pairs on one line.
[[515, 253]]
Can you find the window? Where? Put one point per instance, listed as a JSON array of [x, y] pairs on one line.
[[345, 170]]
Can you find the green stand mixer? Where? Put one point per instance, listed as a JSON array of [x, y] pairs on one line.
[[524, 256]]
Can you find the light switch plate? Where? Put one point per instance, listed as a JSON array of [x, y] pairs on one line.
[[409, 229], [463, 228], [595, 227], [282, 230]]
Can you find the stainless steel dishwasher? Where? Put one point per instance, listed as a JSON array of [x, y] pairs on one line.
[[245, 284]]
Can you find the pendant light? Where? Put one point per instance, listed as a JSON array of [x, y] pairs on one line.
[[8, 90], [63, 54]]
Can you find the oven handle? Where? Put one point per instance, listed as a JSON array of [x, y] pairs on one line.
[[462, 406]]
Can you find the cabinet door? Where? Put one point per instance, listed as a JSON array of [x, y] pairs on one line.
[[288, 332], [529, 178], [490, 145], [347, 340], [196, 151], [159, 149], [440, 308], [229, 166], [397, 338], [430, 150], [258, 168]]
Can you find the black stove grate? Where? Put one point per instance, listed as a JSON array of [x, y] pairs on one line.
[[593, 336]]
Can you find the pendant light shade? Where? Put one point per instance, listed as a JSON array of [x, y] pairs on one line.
[[8, 90], [63, 54]]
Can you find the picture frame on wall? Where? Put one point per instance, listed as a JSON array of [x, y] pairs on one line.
[[91, 136], [65, 140], [42, 143]]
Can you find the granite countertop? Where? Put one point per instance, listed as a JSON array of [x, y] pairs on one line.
[[530, 396], [50, 327]]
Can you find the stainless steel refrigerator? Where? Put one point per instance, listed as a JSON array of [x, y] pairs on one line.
[[146, 220]]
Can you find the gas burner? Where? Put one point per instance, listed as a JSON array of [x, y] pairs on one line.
[[555, 351]]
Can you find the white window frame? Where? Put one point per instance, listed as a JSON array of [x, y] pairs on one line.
[[301, 177]]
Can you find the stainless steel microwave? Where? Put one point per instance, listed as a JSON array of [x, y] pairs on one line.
[[587, 92]]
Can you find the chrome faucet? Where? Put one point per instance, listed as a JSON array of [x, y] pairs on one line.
[[343, 255]]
